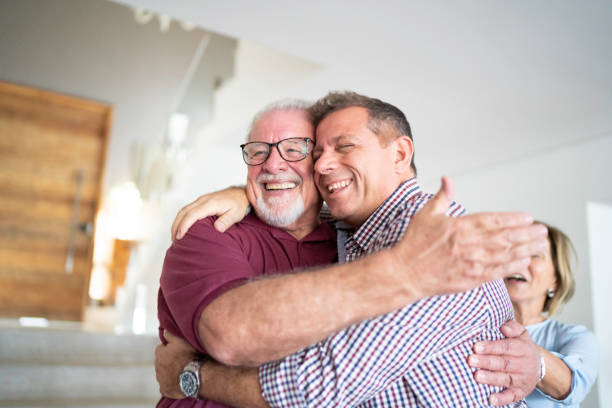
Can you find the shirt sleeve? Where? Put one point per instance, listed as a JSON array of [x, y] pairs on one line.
[[343, 370], [359, 362], [580, 352], [197, 269]]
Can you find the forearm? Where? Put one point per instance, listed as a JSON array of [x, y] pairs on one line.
[[234, 386], [557, 382], [270, 318], [267, 319], [358, 363]]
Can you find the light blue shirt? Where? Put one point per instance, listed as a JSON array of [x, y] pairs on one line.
[[578, 348]]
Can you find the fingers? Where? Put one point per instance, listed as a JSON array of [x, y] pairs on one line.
[[222, 222], [472, 231], [503, 254], [497, 220], [505, 347], [494, 363], [504, 246], [176, 343], [506, 397], [493, 378], [513, 328], [202, 210], [438, 205], [179, 220], [228, 219], [515, 235], [500, 251], [532, 232], [229, 204], [499, 271], [448, 187], [176, 222], [158, 351], [509, 395], [170, 338]]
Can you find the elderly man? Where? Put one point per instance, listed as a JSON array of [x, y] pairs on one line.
[[416, 355]]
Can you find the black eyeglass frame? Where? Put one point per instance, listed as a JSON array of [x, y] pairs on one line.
[[309, 147]]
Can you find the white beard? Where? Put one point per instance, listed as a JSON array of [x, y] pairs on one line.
[[279, 211]]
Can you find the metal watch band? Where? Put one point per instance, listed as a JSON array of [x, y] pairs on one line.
[[189, 380]]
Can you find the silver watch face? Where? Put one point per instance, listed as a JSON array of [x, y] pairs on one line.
[[189, 383]]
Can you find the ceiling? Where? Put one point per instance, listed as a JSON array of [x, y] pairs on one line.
[[482, 83]]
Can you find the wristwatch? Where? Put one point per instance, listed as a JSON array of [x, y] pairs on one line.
[[189, 380]]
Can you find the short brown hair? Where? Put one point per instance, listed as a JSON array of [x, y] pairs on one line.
[[561, 250], [385, 120]]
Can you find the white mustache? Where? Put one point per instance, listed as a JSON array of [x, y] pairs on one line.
[[280, 177]]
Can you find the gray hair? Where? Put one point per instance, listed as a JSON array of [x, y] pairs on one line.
[[287, 104]]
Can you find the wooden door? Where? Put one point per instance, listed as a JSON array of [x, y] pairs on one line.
[[52, 152]]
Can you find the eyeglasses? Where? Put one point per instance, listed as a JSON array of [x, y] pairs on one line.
[[292, 149]]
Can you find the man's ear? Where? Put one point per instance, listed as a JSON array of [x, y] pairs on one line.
[[403, 154]]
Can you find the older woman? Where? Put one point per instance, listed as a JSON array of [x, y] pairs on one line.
[[570, 353]]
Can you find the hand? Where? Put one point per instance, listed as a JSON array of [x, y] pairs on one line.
[[448, 255], [170, 360], [513, 363], [230, 205]]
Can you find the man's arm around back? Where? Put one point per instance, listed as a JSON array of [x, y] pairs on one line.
[[270, 318]]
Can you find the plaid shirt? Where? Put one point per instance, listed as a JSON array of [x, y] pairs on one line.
[[413, 357]]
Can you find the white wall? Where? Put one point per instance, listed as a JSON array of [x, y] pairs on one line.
[[600, 236]]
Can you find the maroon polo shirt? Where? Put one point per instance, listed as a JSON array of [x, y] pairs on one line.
[[206, 263]]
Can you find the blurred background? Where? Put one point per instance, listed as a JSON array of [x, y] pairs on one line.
[[113, 115]]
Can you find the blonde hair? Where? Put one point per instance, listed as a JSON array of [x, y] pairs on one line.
[[561, 250]]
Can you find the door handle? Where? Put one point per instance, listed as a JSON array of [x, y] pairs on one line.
[[74, 225]]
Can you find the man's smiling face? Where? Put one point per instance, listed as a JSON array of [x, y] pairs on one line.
[[283, 193], [354, 172]]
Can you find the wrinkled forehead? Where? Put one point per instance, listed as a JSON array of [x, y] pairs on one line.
[[344, 123], [281, 124]]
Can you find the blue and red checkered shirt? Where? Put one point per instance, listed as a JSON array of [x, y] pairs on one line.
[[413, 357]]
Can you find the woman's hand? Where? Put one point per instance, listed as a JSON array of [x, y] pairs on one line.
[[513, 363]]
